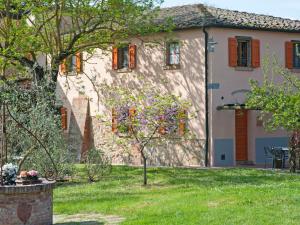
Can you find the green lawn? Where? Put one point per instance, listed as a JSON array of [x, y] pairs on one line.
[[187, 196]]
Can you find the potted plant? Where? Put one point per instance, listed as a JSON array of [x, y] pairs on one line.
[[30, 177], [9, 174]]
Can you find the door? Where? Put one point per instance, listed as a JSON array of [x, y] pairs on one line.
[[241, 135]]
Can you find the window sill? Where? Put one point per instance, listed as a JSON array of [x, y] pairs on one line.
[[124, 70], [296, 70], [171, 67], [70, 74], [239, 68]]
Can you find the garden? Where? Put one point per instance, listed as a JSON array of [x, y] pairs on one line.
[[181, 196], [34, 153]]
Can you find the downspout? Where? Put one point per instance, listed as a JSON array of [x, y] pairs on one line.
[[206, 99]]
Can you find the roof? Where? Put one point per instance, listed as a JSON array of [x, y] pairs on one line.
[[199, 15]]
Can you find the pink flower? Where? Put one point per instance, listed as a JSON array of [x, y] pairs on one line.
[[32, 173]]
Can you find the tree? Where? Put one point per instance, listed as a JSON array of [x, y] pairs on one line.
[[144, 118], [62, 28], [34, 137], [278, 97]]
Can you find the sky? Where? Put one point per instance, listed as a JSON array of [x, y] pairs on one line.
[[282, 8]]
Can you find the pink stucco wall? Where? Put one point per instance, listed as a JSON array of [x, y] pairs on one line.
[[188, 81], [222, 123]]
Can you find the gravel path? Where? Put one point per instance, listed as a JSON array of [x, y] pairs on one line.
[[87, 219]]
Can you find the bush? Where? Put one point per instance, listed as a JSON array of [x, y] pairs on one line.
[[97, 165]]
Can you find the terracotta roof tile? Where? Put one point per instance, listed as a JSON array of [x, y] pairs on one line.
[[198, 15]]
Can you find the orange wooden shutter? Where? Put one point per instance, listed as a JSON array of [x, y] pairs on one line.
[[132, 113], [115, 58], [132, 56], [232, 52], [64, 118], [114, 126], [63, 67], [182, 122], [289, 55], [78, 62], [255, 48], [162, 129]]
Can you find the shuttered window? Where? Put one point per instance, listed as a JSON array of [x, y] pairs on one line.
[[244, 52], [180, 127], [124, 57], [292, 54], [72, 64]]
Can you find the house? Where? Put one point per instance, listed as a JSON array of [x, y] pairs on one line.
[[209, 60]]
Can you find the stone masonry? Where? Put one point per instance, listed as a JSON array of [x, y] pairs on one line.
[[30, 204]]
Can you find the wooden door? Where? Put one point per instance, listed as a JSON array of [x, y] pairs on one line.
[[241, 135]]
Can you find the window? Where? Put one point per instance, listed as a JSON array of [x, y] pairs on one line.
[[243, 53], [173, 54], [73, 64], [124, 57], [296, 54]]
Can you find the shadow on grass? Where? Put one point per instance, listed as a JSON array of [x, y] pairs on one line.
[[159, 177], [226, 177]]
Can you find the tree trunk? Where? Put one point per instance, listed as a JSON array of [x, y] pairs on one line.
[[294, 150], [145, 170], [293, 160]]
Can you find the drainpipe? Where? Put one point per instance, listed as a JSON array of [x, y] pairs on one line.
[[206, 99]]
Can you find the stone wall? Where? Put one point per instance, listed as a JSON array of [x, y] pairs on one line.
[[30, 204]]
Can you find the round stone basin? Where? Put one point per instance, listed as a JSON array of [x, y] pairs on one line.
[[27, 204]]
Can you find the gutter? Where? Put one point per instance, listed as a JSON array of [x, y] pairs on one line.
[[206, 99]]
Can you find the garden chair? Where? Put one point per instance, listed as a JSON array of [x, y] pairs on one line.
[[268, 155], [278, 154]]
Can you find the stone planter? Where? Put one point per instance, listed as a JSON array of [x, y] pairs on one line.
[[27, 204]]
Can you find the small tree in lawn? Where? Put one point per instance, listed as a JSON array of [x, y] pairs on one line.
[[146, 117], [278, 97]]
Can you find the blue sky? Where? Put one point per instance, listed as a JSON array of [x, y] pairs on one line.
[[281, 8]]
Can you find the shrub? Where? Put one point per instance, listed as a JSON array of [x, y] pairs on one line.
[[97, 165]]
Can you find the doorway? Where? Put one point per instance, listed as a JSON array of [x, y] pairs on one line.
[[241, 134]]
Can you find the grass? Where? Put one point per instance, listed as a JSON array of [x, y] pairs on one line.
[[187, 196]]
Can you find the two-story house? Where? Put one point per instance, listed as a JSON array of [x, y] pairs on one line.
[[209, 60]]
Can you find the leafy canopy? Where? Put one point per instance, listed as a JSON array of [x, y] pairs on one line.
[[278, 96]]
